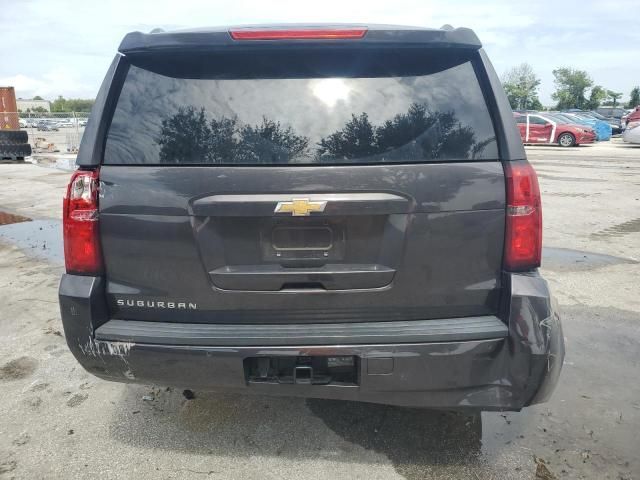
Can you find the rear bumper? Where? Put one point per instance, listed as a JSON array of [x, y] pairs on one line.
[[456, 363]]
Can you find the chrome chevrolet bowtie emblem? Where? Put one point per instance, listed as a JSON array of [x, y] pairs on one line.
[[300, 207]]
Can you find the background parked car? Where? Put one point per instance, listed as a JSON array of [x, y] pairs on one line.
[[633, 116], [542, 129], [66, 122], [613, 114], [602, 128], [632, 133], [47, 125], [614, 123]]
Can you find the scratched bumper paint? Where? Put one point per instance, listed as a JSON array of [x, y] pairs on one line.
[[493, 374]]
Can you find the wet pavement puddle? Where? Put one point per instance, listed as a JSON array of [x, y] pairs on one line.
[[60, 163], [39, 238], [564, 259]]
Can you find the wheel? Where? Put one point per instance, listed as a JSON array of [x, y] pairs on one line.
[[566, 140], [13, 137]]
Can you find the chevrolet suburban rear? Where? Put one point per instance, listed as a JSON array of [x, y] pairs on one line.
[[323, 211]]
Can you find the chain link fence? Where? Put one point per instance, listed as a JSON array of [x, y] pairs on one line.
[[52, 132]]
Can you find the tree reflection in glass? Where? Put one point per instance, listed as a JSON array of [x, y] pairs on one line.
[[190, 137]]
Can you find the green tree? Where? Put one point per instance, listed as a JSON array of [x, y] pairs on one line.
[[614, 96], [188, 137], [634, 97], [79, 105], [222, 143], [62, 104], [59, 104], [571, 87], [521, 86], [270, 142], [598, 94], [416, 134], [535, 105], [184, 137], [356, 139]]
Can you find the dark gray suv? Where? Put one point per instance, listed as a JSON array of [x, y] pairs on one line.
[[321, 211]]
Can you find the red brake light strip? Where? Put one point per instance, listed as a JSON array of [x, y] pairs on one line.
[[298, 34]]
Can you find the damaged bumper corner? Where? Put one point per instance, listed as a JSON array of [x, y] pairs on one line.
[[505, 373], [535, 334]]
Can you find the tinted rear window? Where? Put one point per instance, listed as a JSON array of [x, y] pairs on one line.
[[420, 108]]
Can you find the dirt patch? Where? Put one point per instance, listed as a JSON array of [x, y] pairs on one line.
[[572, 179], [9, 218], [632, 226], [542, 471], [570, 195], [52, 331], [23, 439], [19, 368], [77, 399], [33, 402], [8, 466]]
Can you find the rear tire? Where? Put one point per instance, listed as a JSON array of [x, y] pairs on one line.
[[13, 137], [566, 140]]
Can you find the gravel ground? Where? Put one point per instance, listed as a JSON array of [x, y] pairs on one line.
[[57, 421]]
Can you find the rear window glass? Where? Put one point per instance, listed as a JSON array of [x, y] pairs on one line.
[[204, 118]]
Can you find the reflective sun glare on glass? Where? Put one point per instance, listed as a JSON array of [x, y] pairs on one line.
[[330, 90]]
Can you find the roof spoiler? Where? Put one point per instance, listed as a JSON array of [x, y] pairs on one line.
[[216, 38]]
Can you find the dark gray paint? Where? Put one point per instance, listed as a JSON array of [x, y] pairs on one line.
[[417, 331], [445, 245], [443, 240], [90, 151], [509, 141], [376, 36], [263, 204], [498, 374], [273, 278]]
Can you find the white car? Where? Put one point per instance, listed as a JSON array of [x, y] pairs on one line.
[[66, 122], [632, 133]]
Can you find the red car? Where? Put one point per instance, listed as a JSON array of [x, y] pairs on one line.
[[538, 128], [632, 117]]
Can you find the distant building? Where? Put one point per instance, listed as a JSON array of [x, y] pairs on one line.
[[33, 105]]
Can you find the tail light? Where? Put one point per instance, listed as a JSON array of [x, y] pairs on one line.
[[523, 241], [82, 252], [298, 34]]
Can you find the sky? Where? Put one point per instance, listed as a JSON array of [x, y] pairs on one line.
[[63, 47]]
